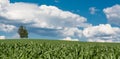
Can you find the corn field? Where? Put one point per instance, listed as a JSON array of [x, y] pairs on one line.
[[53, 49]]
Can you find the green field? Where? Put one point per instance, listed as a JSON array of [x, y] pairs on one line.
[[56, 49]]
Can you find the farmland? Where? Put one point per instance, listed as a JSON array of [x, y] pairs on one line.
[[56, 49]]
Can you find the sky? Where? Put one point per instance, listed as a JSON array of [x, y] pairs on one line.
[[73, 20]]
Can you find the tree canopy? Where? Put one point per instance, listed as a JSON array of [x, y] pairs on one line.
[[22, 31]]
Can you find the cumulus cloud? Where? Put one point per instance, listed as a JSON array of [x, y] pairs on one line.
[[41, 16], [71, 32], [43, 20], [113, 14], [93, 10], [20, 12], [52, 17], [70, 39], [102, 33], [2, 37], [7, 28], [4, 3]]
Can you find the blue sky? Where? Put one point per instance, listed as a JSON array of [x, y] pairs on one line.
[[92, 15]]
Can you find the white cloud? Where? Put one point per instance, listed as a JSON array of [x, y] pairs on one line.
[[71, 32], [41, 16], [113, 14], [21, 12], [52, 17], [93, 10], [70, 39], [2, 37], [7, 28], [103, 33], [4, 3], [45, 20], [101, 29]]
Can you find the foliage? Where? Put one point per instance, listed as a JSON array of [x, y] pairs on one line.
[[22, 31], [51, 49]]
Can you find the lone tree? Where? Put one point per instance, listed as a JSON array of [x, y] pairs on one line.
[[22, 31]]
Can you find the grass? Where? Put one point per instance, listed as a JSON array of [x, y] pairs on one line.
[[57, 49]]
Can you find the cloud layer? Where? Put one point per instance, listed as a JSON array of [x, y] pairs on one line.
[[43, 20], [93, 10], [113, 14], [102, 33], [2, 37], [40, 16], [7, 28]]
